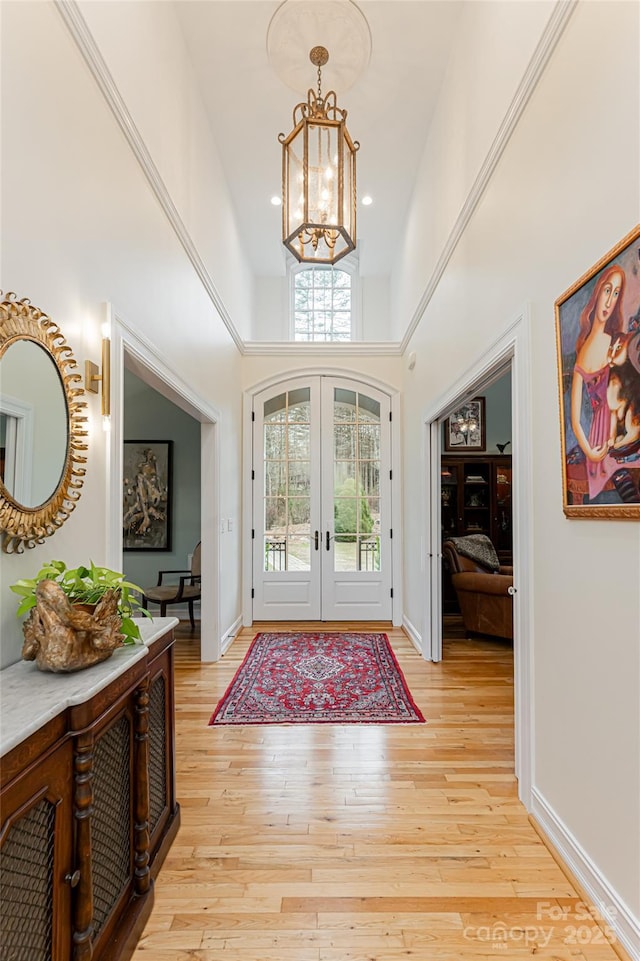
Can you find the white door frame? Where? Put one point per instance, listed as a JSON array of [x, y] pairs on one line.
[[514, 347], [283, 379], [158, 374]]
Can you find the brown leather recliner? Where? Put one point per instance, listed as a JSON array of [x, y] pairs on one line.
[[486, 605]]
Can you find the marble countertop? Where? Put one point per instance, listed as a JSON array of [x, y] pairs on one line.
[[30, 697]]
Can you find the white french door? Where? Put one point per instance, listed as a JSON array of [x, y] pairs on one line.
[[322, 502]]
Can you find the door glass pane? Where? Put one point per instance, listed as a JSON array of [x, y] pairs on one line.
[[343, 470], [356, 482], [345, 405], [373, 503], [299, 407], [369, 471], [274, 441], [369, 441], [287, 481], [345, 441], [298, 553], [275, 516], [369, 553], [345, 553], [275, 478], [275, 553], [299, 477], [298, 438], [275, 409], [299, 512], [345, 516], [368, 409]]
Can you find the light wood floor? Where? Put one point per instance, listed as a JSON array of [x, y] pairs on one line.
[[361, 843]]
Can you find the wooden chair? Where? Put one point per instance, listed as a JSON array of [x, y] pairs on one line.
[[188, 589]]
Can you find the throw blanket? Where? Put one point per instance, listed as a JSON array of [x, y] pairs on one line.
[[478, 548]]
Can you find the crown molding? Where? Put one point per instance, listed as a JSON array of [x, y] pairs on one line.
[[83, 37], [537, 64], [254, 348], [88, 47]]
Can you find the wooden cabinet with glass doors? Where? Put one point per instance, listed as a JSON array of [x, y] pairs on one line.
[[475, 495]]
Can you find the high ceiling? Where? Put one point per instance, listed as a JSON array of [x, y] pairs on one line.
[[390, 107]]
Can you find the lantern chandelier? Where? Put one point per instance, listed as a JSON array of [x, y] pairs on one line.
[[319, 177]]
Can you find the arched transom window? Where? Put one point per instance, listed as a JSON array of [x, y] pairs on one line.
[[322, 304]]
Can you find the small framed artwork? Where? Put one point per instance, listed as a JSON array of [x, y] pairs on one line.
[[465, 429], [598, 348], [146, 511]]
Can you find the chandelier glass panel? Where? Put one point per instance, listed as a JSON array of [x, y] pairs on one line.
[[319, 178]]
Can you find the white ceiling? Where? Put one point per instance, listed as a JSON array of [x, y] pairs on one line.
[[389, 110]]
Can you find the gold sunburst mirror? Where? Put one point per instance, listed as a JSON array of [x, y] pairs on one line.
[[42, 426]]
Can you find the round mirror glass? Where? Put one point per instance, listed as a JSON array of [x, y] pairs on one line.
[[34, 424]]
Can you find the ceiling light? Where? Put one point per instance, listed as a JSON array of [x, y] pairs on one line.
[[367, 200], [276, 201], [319, 155]]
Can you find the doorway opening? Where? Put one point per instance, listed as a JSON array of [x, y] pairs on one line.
[[511, 352], [140, 359], [476, 487], [161, 491]]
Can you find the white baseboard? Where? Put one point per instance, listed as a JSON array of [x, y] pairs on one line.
[[229, 636], [611, 908], [414, 635]]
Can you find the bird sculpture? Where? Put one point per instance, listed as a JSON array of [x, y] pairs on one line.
[[503, 447]]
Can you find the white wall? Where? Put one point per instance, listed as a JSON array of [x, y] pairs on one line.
[[493, 43], [565, 191], [145, 53], [271, 309], [386, 369], [80, 227]]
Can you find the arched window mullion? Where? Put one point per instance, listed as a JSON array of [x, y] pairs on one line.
[[322, 304]]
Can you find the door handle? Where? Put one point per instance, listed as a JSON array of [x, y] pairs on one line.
[[328, 539], [317, 539]]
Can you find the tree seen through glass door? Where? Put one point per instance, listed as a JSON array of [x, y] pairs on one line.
[[356, 505], [287, 481]]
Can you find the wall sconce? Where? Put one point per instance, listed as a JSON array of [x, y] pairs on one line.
[[92, 375]]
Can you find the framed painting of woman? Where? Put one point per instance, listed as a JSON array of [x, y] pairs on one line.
[[598, 342]]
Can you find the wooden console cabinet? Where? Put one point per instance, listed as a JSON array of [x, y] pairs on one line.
[[88, 809]]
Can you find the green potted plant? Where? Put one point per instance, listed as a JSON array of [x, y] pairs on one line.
[[87, 587]]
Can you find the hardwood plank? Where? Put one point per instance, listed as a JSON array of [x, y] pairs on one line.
[[354, 842]]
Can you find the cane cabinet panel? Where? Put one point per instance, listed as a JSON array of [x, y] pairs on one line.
[[85, 816], [36, 862]]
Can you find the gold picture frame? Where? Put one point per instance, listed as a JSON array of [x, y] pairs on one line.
[[598, 353], [24, 526]]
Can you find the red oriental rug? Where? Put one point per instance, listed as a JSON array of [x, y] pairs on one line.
[[318, 678]]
